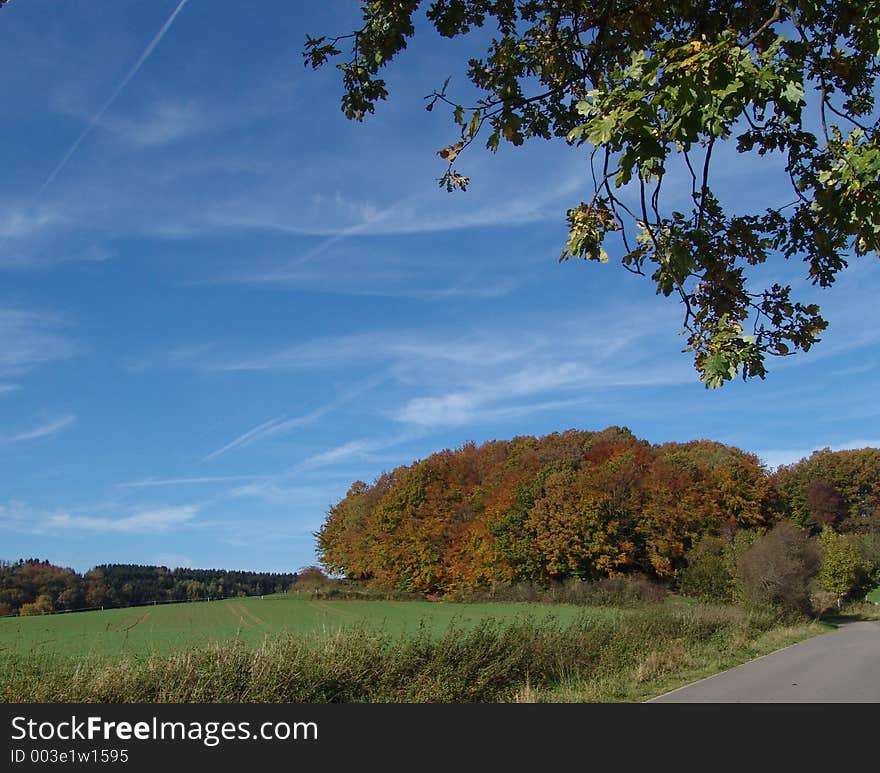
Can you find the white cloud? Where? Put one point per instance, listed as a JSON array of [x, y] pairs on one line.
[[274, 490], [357, 448], [31, 338], [463, 406], [150, 482], [45, 430], [143, 522], [369, 274], [177, 357], [281, 426], [506, 397], [394, 346], [381, 346], [16, 515], [17, 223], [165, 122]]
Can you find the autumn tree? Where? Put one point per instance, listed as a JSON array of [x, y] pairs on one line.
[[824, 503], [844, 572], [571, 505], [653, 90], [839, 487], [42, 606]]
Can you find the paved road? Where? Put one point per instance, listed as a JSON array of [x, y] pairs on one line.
[[842, 666]]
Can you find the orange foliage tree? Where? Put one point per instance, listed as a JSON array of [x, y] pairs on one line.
[[575, 504]]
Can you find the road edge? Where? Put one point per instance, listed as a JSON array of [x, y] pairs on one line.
[[738, 665]]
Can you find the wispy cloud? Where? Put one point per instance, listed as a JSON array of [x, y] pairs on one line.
[[276, 490], [45, 430], [144, 522], [19, 516], [167, 121], [175, 357], [281, 426], [15, 223], [153, 482], [31, 338], [361, 277], [357, 448], [380, 346], [476, 377], [514, 395], [420, 212]]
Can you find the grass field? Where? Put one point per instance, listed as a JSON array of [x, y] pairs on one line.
[[461, 653], [874, 596], [169, 627]]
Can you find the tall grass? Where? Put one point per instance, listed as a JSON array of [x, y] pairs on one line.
[[522, 660]]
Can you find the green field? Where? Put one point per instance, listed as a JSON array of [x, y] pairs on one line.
[[168, 627], [874, 596]]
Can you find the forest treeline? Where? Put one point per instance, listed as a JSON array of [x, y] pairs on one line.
[[583, 506], [540, 512], [32, 587]]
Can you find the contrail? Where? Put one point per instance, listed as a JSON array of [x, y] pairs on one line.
[[119, 89]]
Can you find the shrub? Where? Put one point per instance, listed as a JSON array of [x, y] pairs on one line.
[[623, 591], [42, 606], [869, 546], [709, 572], [310, 578], [619, 591], [779, 569]]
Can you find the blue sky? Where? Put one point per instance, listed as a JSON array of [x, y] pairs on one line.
[[221, 302]]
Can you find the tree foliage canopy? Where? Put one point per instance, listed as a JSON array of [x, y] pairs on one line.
[[36, 587], [585, 506], [833, 488], [652, 88], [844, 570], [581, 505]]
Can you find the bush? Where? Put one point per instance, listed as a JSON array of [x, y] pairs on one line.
[[619, 591], [310, 578], [779, 569], [623, 591], [869, 546], [709, 571], [42, 606]]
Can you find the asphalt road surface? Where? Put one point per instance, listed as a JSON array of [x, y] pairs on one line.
[[842, 666]]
